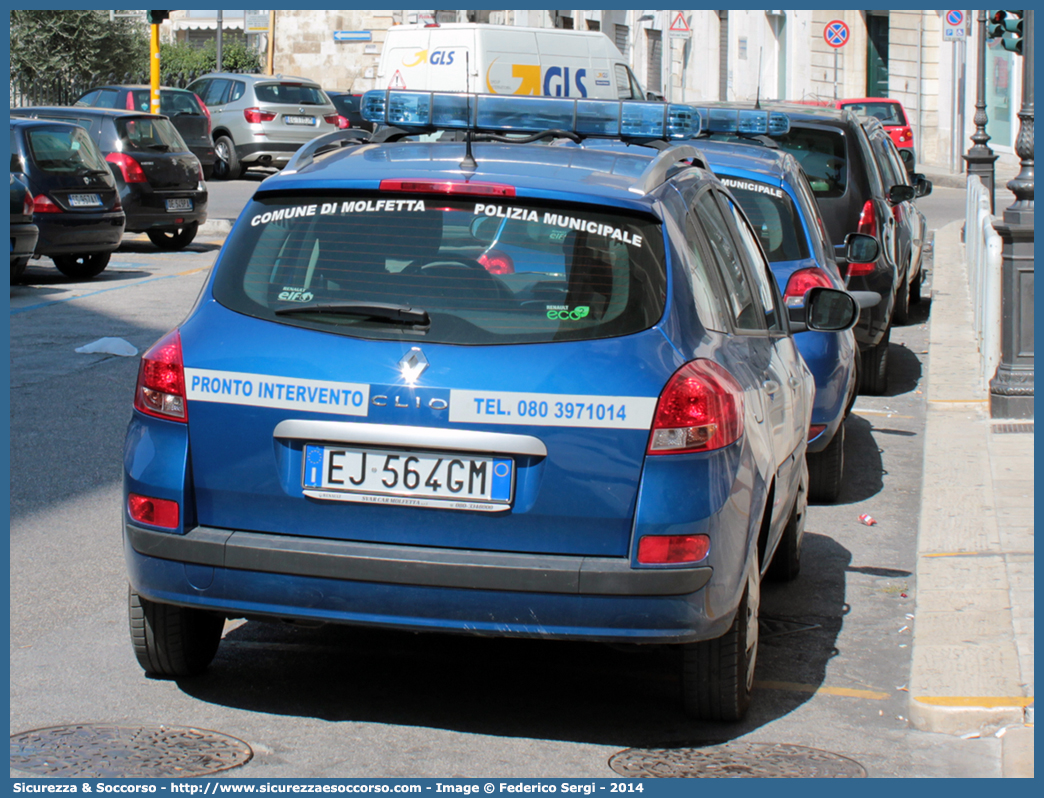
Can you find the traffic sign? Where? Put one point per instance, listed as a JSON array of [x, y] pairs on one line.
[[680, 28], [352, 35], [954, 26], [836, 33], [255, 21]]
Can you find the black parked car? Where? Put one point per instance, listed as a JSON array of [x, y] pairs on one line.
[[347, 105], [23, 232], [75, 201], [911, 226], [187, 111], [160, 181], [835, 153]]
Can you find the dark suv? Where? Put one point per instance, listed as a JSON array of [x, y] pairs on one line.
[[159, 180], [836, 155]]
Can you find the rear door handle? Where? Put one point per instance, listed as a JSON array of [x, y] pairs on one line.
[[770, 386]]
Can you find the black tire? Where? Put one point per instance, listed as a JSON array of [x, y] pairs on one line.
[[82, 267], [875, 367], [208, 172], [175, 238], [18, 268], [901, 313], [826, 469], [172, 641], [915, 288], [718, 675], [226, 153]]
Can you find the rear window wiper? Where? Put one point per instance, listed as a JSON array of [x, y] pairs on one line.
[[377, 311]]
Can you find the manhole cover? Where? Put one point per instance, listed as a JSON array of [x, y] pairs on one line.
[[101, 750], [735, 761]]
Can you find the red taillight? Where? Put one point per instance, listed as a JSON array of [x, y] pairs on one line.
[[905, 134], [815, 430], [663, 549], [129, 168], [867, 225], [801, 281], [28, 205], [700, 409], [449, 187], [336, 119], [497, 262], [255, 115], [44, 204], [158, 512], [206, 110], [660, 549], [161, 380], [130, 101]]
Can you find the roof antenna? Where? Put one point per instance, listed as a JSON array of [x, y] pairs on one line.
[[757, 99], [468, 164]]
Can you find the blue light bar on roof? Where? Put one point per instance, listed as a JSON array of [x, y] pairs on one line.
[[510, 114], [743, 122]]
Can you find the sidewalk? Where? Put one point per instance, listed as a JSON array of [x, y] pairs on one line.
[[972, 666]]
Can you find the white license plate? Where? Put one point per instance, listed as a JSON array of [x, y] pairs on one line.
[[299, 120], [84, 200], [179, 205], [452, 481]]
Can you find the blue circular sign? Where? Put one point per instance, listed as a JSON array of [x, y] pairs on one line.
[[836, 33], [955, 17]]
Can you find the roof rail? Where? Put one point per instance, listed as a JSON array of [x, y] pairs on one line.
[[306, 154], [656, 172]]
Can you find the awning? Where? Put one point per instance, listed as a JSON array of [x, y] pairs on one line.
[[206, 24]]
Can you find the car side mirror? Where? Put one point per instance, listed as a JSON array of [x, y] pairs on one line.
[[653, 96], [861, 248], [897, 194], [825, 310], [922, 185]]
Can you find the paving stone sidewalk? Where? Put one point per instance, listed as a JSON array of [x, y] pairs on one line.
[[972, 666]]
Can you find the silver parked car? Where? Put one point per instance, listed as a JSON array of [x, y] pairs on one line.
[[261, 120]]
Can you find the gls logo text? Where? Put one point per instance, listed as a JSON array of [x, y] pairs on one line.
[[556, 82]]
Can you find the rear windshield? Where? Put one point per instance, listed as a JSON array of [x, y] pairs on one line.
[[773, 216], [888, 113], [290, 93], [149, 134], [65, 150], [172, 103], [491, 272], [821, 154]]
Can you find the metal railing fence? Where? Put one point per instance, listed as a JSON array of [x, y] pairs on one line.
[[983, 250]]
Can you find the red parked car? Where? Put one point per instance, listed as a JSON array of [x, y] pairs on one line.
[[893, 117]]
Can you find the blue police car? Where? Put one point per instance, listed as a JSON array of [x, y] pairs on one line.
[[366, 420], [774, 193]]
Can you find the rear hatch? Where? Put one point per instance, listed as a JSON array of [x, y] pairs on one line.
[[160, 151], [293, 111], [68, 168], [183, 110], [496, 365]]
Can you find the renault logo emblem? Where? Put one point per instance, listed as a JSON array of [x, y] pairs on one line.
[[413, 364]]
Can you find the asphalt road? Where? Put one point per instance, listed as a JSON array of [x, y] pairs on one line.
[[337, 701]]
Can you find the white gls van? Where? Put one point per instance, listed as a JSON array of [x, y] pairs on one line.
[[501, 59]]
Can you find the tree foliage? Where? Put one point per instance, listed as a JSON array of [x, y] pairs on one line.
[[235, 57], [77, 46]]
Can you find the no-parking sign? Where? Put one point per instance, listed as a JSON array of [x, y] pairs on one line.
[[955, 26], [836, 33]]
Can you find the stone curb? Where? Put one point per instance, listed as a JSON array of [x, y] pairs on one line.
[[1017, 753], [965, 673]]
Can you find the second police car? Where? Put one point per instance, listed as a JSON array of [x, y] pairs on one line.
[[374, 415]]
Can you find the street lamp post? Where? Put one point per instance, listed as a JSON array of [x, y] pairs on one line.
[[1011, 390], [980, 157]]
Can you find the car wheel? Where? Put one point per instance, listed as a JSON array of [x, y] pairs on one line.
[[175, 238], [875, 367], [172, 641], [208, 172], [718, 675], [825, 469], [226, 153], [915, 288], [901, 313], [786, 561], [82, 267], [18, 268]]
